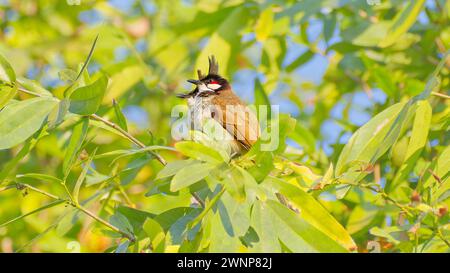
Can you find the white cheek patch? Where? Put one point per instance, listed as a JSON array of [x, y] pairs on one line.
[[203, 88], [214, 86]]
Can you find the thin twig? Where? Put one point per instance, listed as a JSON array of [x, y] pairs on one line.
[[29, 92], [198, 199], [386, 197], [21, 186], [127, 135], [105, 223], [376, 188], [440, 95]]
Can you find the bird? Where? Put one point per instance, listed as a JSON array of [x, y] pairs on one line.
[[214, 99]]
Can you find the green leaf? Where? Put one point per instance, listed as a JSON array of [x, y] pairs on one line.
[[134, 216], [304, 137], [274, 137], [88, 58], [82, 70], [190, 174], [87, 99], [40, 176], [68, 75], [122, 247], [96, 178], [235, 184], [297, 234], [383, 78], [6, 94], [314, 213], [402, 22], [361, 217], [392, 234], [301, 60], [209, 205], [264, 25], [263, 162], [221, 237], [121, 120], [7, 74], [199, 151], [419, 136], [433, 80], [367, 34], [328, 176], [329, 25], [27, 147], [263, 222], [76, 140], [156, 234], [175, 222], [121, 222], [370, 138], [261, 98], [20, 120], [223, 43], [173, 167], [69, 219], [81, 177], [58, 114], [34, 86], [32, 212], [118, 86], [439, 167]]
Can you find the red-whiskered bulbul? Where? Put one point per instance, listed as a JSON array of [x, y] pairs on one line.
[[213, 98]]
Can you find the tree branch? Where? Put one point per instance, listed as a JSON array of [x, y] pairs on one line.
[[127, 135], [21, 186], [440, 95]]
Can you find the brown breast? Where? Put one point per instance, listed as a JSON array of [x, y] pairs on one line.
[[236, 117]]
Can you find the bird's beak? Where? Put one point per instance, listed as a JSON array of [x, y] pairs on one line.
[[183, 96], [196, 82]]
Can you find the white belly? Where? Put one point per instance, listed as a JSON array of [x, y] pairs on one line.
[[199, 111], [200, 114]]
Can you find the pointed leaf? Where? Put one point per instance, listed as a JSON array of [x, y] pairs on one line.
[[87, 99], [20, 120], [80, 180], [402, 22], [7, 74], [190, 174], [264, 24], [121, 120], [76, 140], [199, 151]]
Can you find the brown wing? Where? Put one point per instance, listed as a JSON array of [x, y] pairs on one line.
[[236, 118]]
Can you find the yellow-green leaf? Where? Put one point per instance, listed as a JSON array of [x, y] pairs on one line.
[[264, 25], [402, 22], [20, 120], [199, 151], [314, 213]]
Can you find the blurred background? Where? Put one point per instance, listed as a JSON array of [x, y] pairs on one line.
[[328, 63]]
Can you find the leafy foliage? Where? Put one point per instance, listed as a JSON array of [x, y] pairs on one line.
[[85, 121]]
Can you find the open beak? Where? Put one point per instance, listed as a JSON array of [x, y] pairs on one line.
[[183, 96], [196, 82]]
